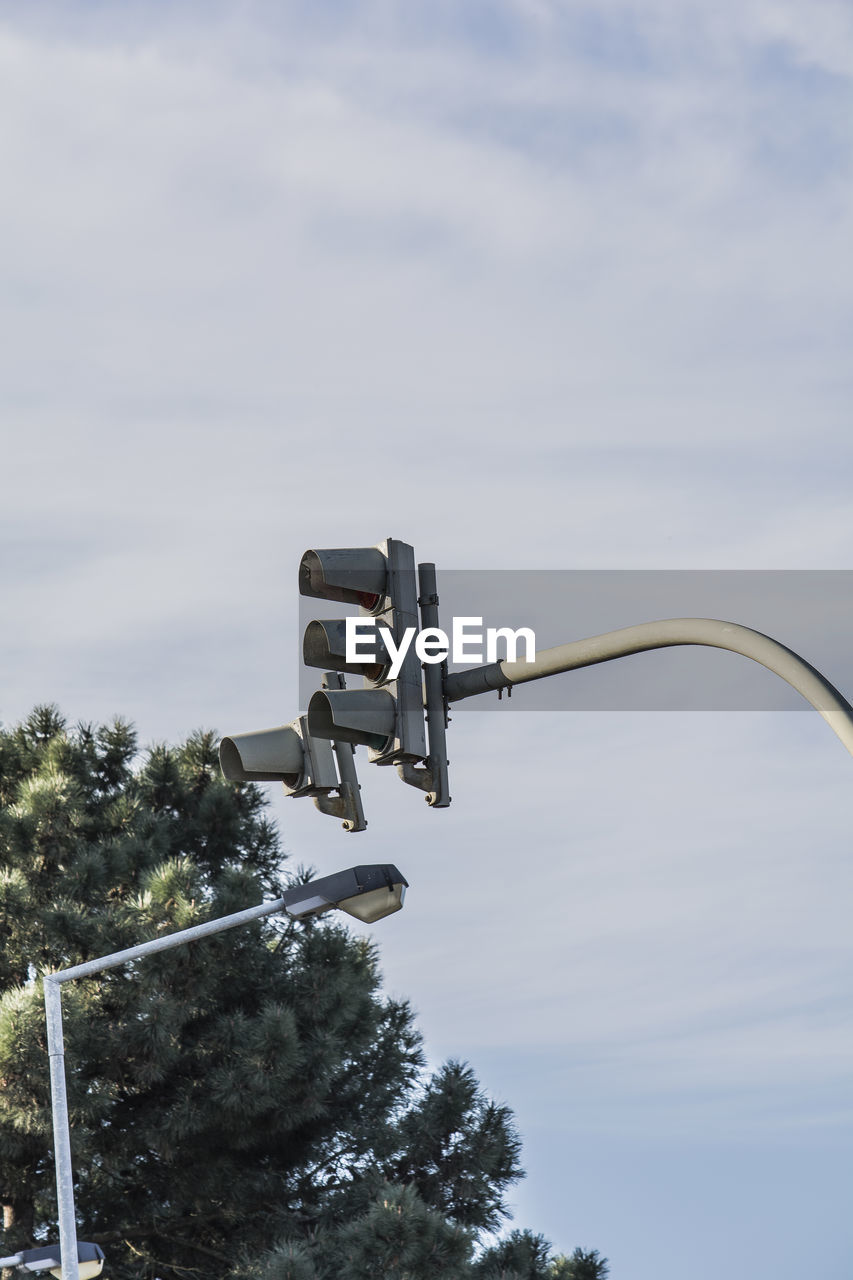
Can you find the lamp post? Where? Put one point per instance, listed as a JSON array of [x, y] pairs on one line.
[[366, 892]]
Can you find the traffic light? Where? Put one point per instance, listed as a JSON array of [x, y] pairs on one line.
[[303, 763], [314, 755], [387, 714]]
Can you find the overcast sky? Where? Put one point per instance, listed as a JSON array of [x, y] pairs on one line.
[[529, 284]]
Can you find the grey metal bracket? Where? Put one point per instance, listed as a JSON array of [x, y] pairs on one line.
[[346, 805]]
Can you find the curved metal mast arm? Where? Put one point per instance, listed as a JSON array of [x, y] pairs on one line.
[[815, 688]]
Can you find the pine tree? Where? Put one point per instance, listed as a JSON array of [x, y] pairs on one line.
[[246, 1106], [521, 1256], [582, 1265], [240, 1090]]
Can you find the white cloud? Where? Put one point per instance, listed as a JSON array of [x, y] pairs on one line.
[[572, 292]]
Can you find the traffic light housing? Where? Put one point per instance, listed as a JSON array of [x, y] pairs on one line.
[[314, 755], [303, 763], [387, 714], [288, 754]]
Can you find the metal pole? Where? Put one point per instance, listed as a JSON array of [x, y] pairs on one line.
[[61, 1129], [167, 941], [56, 1051], [801, 675], [436, 707]]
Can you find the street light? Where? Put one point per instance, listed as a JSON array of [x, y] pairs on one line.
[[367, 892], [90, 1260]]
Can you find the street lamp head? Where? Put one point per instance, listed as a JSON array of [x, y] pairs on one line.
[[368, 893], [90, 1260]]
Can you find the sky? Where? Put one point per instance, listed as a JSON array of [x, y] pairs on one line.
[[528, 284]]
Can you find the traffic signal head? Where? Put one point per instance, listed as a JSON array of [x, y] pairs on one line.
[[303, 763], [386, 716], [314, 755], [288, 754]]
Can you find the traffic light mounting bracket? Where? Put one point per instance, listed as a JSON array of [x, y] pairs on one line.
[[347, 803], [432, 778]]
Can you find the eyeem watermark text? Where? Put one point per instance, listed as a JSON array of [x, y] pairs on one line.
[[432, 644]]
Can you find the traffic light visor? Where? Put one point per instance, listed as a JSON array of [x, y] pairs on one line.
[[324, 646], [272, 755], [364, 717], [351, 575]]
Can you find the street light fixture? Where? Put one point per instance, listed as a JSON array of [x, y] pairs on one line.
[[90, 1260], [367, 892]]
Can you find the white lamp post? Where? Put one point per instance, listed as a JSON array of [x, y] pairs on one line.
[[367, 892]]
